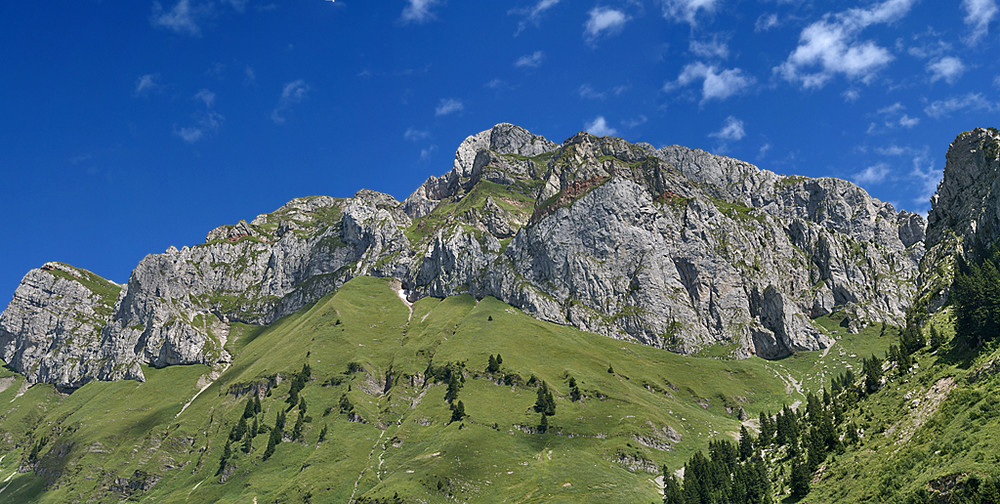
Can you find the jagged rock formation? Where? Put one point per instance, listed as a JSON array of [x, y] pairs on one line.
[[965, 211], [673, 247]]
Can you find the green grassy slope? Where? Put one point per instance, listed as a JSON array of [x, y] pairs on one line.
[[108, 442], [925, 434]]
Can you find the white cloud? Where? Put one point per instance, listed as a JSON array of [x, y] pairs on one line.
[[448, 106], [146, 83], [978, 15], [599, 127], [632, 123], [709, 49], [293, 93], [732, 129], [874, 174], [715, 85], [765, 22], [604, 20], [425, 154], [942, 108], [533, 60], [830, 46], [892, 150], [687, 10], [948, 68], [532, 15], [183, 18], [415, 135], [418, 11], [206, 122], [908, 122], [763, 150], [851, 95]]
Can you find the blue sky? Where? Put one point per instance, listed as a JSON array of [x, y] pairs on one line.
[[132, 126]]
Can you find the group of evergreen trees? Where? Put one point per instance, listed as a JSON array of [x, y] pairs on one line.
[[725, 476], [975, 294]]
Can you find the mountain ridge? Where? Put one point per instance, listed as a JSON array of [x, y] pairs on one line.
[[690, 251]]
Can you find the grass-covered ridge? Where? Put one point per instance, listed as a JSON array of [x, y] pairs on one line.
[[375, 386]]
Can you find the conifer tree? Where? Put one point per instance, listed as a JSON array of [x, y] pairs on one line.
[[297, 428], [458, 412], [322, 434], [272, 441], [936, 339], [543, 425], [248, 411], [499, 360], [672, 493], [247, 442], [492, 366], [545, 404], [746, 443], [453, 387], [279, 422], [799, 479], [574, 391], [873, 374]]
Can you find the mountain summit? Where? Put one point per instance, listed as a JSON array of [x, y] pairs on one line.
[[672, 247]]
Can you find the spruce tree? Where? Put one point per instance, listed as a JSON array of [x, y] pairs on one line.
[[545, 404], [279, 422], [297, 429], [672, 493], [272, 441], [799, 479], [499, 360], [248, 411], [492, 366], [873, 374], [936, 339], [247, 442], [543, 425], [453, 387], [746, 443], [322, 434], [458, 412]]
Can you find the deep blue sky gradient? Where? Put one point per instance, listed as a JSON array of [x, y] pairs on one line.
[[97, 169]]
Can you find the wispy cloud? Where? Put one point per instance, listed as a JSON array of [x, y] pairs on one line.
[[292, 93], [146, 84], [416, 135], [765, 22], [944, 108], [206, 121], [687, 10], [599, 127], [533, 14], [715, 84], [949, 69], [183, 18], [928, 176], [603, 21], [874, 174], [418, 11], [732, 129], [978, 16], [891, 117], [709, 49], [425, 154], [448, 106], [533, 60], [830, 46]]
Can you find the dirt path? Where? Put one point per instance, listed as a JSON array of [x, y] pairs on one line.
[[368, 465], [212, 376], [791, 384]]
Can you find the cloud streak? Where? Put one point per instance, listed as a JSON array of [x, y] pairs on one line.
[[732, 129], [533, 60], [418, 11], [603, 21], [599, 127], [448, 106], [292, 93], [978, 16]]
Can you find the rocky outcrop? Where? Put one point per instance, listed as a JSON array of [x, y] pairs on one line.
[[965, 211], [673, 247], [50, 330]]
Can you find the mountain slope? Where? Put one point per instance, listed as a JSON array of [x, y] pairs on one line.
[[675, 248], [386, 418]]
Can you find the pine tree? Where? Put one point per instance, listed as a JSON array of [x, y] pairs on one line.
[[255, 429], [297, 429], [574, 391], [256, 404], [672, 493], [248, 411], [272, 442], [543, 425], [322, 434], [799, 479], [746, 443], [453, 387], [873, 374], [279, 422], [247, 442], [492, 366], [499, 360], [458, 412], [545, 403], [302, 406], [936, 339]]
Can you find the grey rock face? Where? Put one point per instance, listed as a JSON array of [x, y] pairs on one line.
[[965, 211], [673, 247], [51, 328]]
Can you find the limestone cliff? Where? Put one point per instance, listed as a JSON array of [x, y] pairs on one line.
[[672, 247]]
